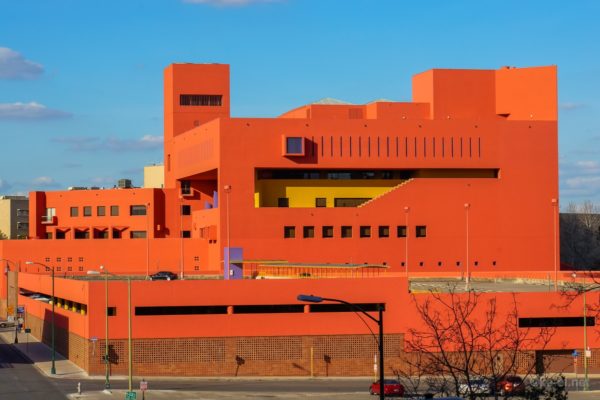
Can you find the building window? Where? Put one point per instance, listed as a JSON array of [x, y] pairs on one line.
[[114, 211], [87, 211], [320, 202], [186, 234], [365, 231], [48, 235], [196, 258], [346, 232], [186, 209], [308, 232], [384, 231], [401, 231], [23, 225], [111, 312], [349, 202], [22, 213], [74, 212], [421, 231], [116, 234], [185, 187], [137, 210], [137, 234], [101, 211], [206, 100], [82, 234], [294, 146], [328, 231], [283, 202], [555, 322], [289, 232]]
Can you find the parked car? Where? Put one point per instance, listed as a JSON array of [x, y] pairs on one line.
[[6, 324], [510, 385], [163, 276], [478, 386], [391, 387]]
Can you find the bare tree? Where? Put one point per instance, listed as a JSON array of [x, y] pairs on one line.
[[580, 235], [464, 337]]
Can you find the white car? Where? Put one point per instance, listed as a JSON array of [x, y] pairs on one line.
[[478, 386]]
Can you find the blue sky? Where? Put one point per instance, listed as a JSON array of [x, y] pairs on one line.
[[81, 81]]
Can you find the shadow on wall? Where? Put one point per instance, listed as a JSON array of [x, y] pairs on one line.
[[61, 333]]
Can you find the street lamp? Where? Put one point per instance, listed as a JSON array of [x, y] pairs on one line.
[[53, 367], [586, 382], [379, 322], [227, 189], [467, 280], [104, 272]]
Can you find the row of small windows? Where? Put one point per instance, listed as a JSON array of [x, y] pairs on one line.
[[210, 100], [114, 211], [104, 234], [322, 201], [346, 231]]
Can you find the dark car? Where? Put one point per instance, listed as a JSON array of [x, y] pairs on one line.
[[163, 276], [510, 385], [391, 387]]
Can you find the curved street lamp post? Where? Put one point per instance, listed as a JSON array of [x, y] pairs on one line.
[[379, 322], [53, 368]]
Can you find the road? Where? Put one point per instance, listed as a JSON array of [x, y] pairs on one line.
[[19, 379]]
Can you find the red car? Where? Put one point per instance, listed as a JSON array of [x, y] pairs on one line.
[[391, 387], [510, 385]]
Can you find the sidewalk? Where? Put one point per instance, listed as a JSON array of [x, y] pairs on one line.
[[41, 356]]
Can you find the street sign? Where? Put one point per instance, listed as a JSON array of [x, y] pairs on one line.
[[93, 339], [27, 330], [20, 309], [575, 353], [130, 396], [143, 386], [588, 354]]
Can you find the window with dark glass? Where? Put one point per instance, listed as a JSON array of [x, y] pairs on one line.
[[137, 234], [186, 234], [186, 209], [137, 210], [346, 231], [283, 202], [321, 202], [328, 231], [384, 231], [186, 187], [210, 100], [294, 145], [87, 211], [114, 211], [421, 231], [365, 231], [308, 231], [401, 231], [74, 211], [349, 202], [289, 232], [101, 211]]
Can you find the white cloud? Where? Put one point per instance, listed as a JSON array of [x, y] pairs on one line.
[[226, 3], [113, 144], [29, 111], [569, 106], [44, 181], [14, 66]]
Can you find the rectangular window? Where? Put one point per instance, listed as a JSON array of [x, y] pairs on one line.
[[186, 209], [111, 312], [346, 231], [320, 202], [365, 231], [116, 234], [82, 234], [308, 231], [328, 231], [137, 210], [289, 232], [283, 202], [421, 231], [60, 235], [87, 211], [186, 234], [384, 231], [22, 213], [101, 211], [186, 187], [114, 211], [137, 234], [22, 225], [294, 146], [401, 231], [74, 212], [209, 100], [555, 322], [349, 202]]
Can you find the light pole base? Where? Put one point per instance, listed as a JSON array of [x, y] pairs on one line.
[[106, 391], [53, 370]]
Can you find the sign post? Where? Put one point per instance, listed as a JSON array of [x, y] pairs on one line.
[[143, 388]]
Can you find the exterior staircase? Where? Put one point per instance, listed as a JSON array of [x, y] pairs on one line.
[[393, 188]]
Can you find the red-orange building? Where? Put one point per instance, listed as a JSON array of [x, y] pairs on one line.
[[463, 180]]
